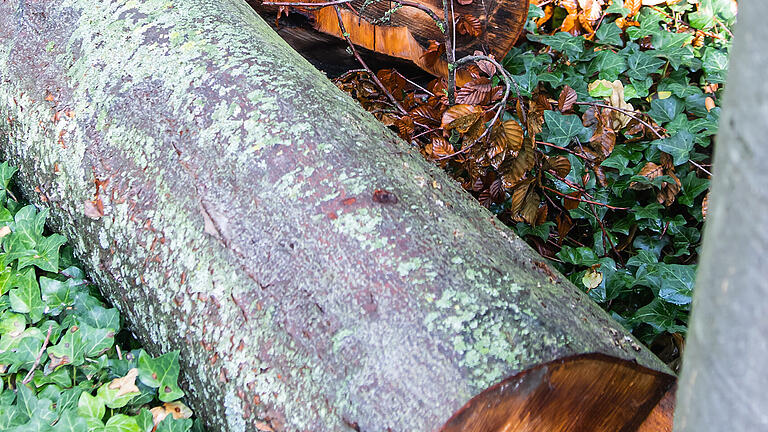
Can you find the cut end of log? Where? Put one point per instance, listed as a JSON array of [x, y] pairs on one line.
[[405, 32], [584, 393]]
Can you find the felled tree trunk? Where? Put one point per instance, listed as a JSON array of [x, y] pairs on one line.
[[315, 272], [724, 373]]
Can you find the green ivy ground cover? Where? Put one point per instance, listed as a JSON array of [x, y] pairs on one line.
[[672, 63], [61, 368]]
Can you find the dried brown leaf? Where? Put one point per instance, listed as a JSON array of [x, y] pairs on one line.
[[475, 92], [487, 67], [650, 171], [461, 117], [441, 147], [469, 25], [633, 6], [560, 164], [567, 98], [434, 51]]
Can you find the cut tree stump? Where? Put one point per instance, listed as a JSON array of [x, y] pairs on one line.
[[315, 272], [408, 31]]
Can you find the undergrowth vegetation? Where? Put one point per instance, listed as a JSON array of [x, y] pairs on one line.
[[600, 157], [61, 368]]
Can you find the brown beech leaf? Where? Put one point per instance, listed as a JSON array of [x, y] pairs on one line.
[[175, 409], [604, 138], [570, 204], [487, 67], [650, 171], [564, 225], [592, 10], [571, 6], [633, 6], [426, 115], [548, 12], [405, 127], [567, 99], [560, 164], [541, 214], [513, 169], [473, 133], [497, 189], [535, 118], [475, 92], [600, 176], [569, 23], [709, 104], [507, 135], [469, 25], [434, 51], [669, 191], [461, 117], [441, 147], [530, 208], [518, 197], [465, 2]]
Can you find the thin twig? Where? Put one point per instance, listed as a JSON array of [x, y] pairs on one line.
[[563, 149], [413, 83], [31, 372], [700, 167], [363, 64], [307, 4], [628, 113], [584, 200], [449, 54]]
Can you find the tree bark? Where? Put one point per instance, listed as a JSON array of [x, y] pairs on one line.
[[315, 272], [725, 365]]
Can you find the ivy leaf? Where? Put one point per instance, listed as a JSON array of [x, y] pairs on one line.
[[70, 421], [675, 47], [565, 42], [121, 423], [6, 172], [641, 64], [678, 146], [715, 65], [677, 283], [659, 314], [617, 7], [47, 256], [161, 373], [26, 297], [11, 416], [608, 65], [170, 424], [609, 34], [69, 350], [96, 341], [582, 256], [665, 110], [145, 421], [702, 19], [693, 186], [57, 294], [562, 128]]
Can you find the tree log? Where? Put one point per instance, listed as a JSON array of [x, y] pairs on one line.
[[724, 373], [406, 32], [315, 272]]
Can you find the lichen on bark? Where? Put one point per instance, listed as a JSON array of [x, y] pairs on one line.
[[240, 227]]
